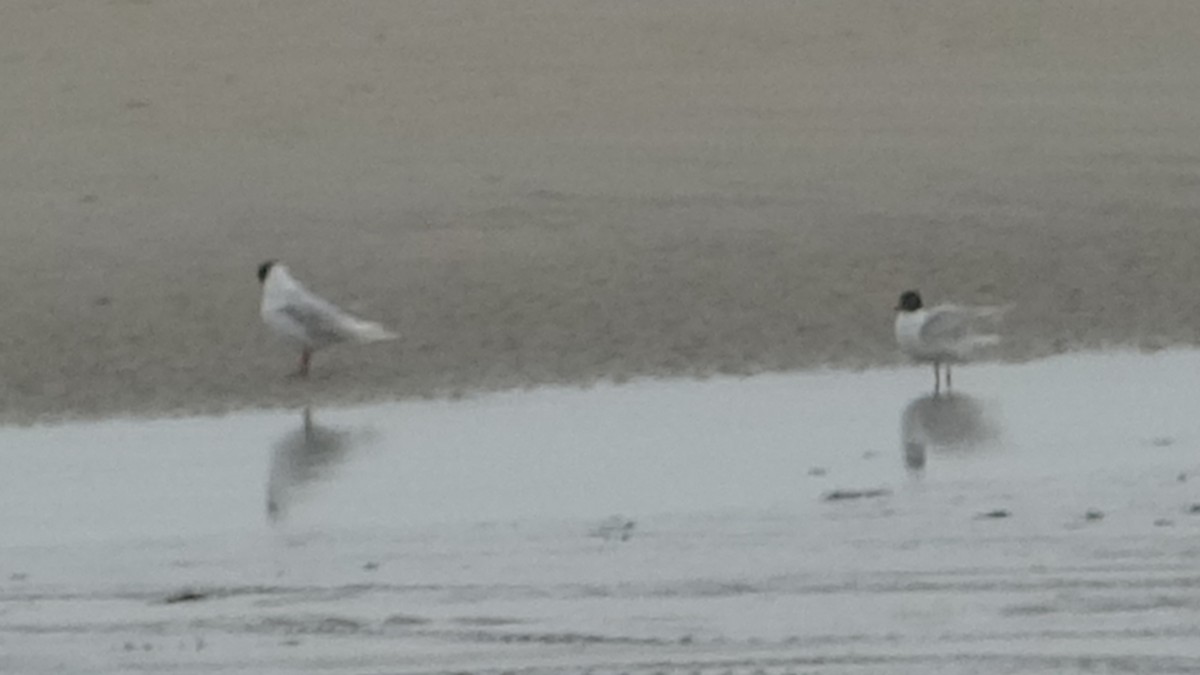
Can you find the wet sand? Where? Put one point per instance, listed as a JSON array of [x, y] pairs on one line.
[[1045, 530], [568, 191]]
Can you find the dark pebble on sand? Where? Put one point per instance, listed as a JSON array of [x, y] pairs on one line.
[[841, 495], [185, 596]]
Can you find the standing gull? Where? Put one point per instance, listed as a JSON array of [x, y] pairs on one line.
[[942, 334], [307, 321]]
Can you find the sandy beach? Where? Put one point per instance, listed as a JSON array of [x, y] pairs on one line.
[[565, 191], [581, 192]]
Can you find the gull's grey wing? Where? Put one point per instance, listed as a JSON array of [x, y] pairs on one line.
[[953, 326], [947, 324], [322, 323]]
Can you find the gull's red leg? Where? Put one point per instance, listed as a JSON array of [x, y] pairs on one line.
[[305, 357]]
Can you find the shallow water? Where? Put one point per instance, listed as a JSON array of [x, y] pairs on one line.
[[655, 525]]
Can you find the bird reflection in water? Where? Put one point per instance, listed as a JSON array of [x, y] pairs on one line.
[[301, 458], [954, 422]]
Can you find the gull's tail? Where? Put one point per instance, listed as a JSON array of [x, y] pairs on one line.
[[993, 312], [369, 331], [989, 315]]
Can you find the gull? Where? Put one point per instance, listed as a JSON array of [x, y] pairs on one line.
[[308, 321], [942, 334]]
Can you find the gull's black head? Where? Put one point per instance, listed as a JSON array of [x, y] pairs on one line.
[[910, 301], [265, 269]]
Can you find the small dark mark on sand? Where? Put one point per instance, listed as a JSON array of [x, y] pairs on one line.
[[185, 596], [994, 514], [1093, 514], [841, 495], [487, 621], [405, 620], [614, 528]]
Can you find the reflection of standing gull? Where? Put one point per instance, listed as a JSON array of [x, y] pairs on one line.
[[302, 457], [945, 334], [952, 422], [306, 320]]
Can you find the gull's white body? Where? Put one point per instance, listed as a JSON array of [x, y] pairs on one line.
[[308, 321], [945, 333]]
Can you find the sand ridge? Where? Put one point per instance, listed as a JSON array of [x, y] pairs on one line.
[[545, 191]]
